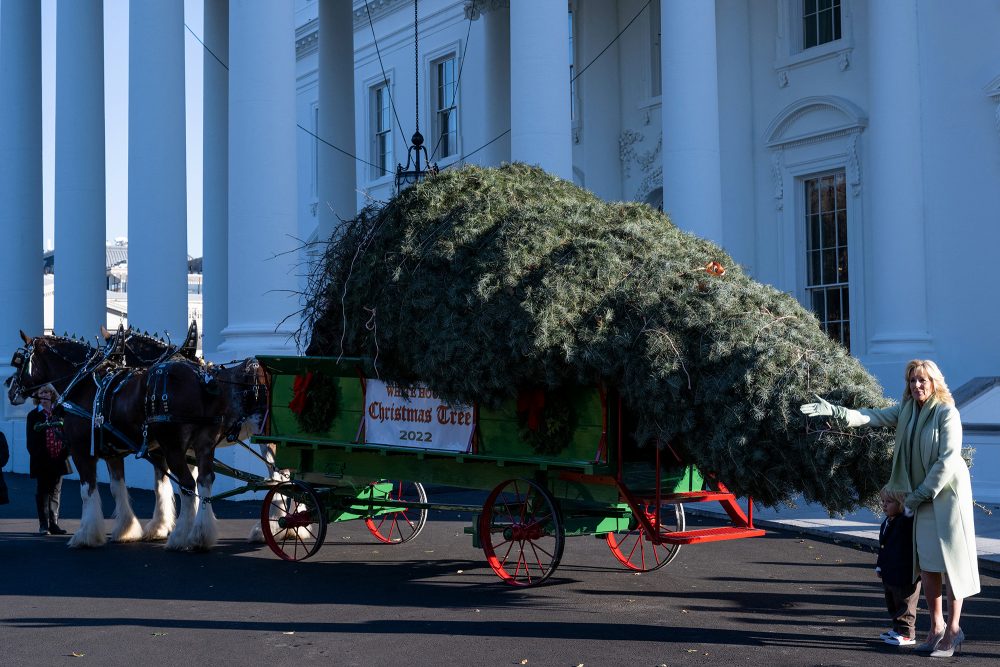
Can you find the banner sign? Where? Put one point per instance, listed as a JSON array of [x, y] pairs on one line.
[[422, 420]]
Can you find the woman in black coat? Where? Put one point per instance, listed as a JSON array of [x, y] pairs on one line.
[[49, 458]]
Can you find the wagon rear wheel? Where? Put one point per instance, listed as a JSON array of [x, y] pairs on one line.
[[403, 524], [293, 520], [635, 548], [521, 532]]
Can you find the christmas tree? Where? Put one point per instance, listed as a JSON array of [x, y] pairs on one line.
[[484, 282]]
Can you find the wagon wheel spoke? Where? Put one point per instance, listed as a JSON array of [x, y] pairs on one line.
[[395, 525], [638, 550], [521, 532], [293, 520]]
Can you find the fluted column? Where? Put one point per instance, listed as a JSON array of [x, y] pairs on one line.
[[539, 85], [338, 199], [215, 174], [262, 178], [692, 169], [157, 202], [898, 281], [20, 173], [80, 208]]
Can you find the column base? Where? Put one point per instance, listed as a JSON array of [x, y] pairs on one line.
[[248, 340]]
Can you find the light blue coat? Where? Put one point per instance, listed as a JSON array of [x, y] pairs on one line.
[[947, 486]]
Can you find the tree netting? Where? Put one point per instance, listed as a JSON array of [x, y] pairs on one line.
[[483, 283]]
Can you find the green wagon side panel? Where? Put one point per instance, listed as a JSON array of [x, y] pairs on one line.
[[498, 431]]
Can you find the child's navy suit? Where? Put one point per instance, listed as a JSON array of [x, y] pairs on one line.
[[895, 566]]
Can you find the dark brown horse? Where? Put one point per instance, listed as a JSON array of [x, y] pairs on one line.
[[165, 412], [85, 378]]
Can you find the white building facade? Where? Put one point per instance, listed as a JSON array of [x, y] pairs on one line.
[[844, 151]]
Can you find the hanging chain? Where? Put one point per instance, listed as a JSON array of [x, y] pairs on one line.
[[416, 65]]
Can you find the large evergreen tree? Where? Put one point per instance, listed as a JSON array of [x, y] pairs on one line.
[[483, 282]]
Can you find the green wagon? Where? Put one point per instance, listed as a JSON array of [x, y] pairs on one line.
[[372, 462]]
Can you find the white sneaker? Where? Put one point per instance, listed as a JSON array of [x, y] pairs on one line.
[[900, 640]]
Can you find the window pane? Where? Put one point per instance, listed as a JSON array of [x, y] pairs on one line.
[[809, 32], [845, 302], [829, 225], [815, 278], [833, 305], [825, 31], [819, 303], [814, 232], [829, 266], [833, 330], [808, 7]]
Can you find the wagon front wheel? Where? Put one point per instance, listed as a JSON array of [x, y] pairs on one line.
[[521, 532], [636, 549], [293, 520], [400, 523]]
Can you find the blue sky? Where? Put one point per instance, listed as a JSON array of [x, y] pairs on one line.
[[116, 116]]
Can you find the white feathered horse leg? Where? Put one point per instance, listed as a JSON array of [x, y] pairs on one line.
[[91, 530], [180, 536], [165, 511], [205, 531], [126, 527]]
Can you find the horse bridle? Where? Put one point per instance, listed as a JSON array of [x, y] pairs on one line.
[[22, 357]]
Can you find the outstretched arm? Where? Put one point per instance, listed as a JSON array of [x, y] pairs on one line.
[[851, 418]]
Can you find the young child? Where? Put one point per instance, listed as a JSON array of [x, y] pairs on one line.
[[895, 567]]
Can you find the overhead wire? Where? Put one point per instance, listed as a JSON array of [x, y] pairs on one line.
[[458, 82]]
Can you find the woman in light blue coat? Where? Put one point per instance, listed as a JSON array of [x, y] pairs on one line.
[[927, 465]]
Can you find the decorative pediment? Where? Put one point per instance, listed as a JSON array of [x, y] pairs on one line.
[[377, 9], [814, 119]]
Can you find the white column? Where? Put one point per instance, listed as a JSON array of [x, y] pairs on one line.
[[692, 180], [899, 308], [539, 85], [496, 83], [20, 173], [600, 116], [262, 179], [80, 210], [157, 201], [338, 198], [215, 174]]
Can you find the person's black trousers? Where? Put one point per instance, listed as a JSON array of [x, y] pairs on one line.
[[47, 492]]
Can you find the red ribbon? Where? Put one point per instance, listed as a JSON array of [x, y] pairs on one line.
[[531, 401], [298, 402]]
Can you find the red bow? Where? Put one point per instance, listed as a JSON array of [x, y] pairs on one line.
[[298, 402], [531, 401]]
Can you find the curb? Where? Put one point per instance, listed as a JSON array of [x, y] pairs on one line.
[[989, 564]]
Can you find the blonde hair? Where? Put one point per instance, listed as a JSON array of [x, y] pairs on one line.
[[885, 493], [44, 387], [941, 391]]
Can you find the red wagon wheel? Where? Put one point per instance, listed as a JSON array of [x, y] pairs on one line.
[[521, 532], [293, 520], [402, 525], [636, 550]]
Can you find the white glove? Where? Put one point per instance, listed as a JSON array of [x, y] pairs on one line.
[[907, 512], [820, 409]]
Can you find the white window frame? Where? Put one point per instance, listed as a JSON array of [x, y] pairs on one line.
[[805, 288], [428, 105], [789, 53], [798, 155], [432, 144], [371, 128]]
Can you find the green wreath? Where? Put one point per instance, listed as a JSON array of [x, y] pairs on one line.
[[322, 404], [546, 420]]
